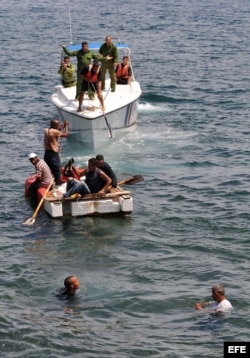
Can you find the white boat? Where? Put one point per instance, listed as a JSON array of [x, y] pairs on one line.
[[92, 126]]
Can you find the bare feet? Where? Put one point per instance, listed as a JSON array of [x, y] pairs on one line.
[[79, 109]]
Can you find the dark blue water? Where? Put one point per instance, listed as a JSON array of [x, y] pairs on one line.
[[140, 276]]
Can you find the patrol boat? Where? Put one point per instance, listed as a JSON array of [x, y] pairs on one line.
[[92, 126]]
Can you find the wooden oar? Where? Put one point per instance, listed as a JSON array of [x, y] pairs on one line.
[[131, 180], [31, 220], [97, 196]]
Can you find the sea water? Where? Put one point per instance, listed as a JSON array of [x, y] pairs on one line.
[[141, 275]]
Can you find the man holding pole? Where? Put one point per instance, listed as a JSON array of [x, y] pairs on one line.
[[52, 147], [91, 82]]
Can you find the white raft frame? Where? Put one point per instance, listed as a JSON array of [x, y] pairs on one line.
[[113, 204]]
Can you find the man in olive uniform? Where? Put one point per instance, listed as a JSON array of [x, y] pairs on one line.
[[67, 71], [109, 58], [84, 57]]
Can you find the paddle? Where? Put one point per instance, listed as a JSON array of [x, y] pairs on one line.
[[31, 220], [131, 180]]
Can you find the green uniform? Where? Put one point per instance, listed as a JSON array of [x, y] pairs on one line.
[[68, 76], [108, 64], [83, 60]]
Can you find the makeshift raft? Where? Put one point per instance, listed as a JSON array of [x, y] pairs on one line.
[[119, 203], [116, 203]]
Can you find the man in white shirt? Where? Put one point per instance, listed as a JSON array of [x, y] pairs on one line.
[[220, 303]]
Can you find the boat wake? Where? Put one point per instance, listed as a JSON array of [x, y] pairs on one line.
[[149, 107]]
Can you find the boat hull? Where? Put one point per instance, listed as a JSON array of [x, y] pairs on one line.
[[92, 126]]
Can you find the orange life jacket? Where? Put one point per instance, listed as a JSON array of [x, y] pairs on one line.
[[122, 71], [93, 77]]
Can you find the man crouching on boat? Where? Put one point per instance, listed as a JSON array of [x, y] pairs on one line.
[[91, 82], [96, 181]]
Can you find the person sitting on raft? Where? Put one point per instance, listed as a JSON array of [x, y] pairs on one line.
[[96, 181]]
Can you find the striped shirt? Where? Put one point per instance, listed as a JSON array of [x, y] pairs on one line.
[[43, 172]]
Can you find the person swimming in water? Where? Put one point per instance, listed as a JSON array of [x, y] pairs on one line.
[[71, 285], [220, 304]]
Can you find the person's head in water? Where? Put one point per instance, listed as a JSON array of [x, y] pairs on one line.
[[218, 293], [71, 284]]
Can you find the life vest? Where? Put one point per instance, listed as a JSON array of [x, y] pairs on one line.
[[122, 71], [92, 76]]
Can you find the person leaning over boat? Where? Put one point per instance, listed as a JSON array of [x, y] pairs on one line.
[[43, 177], [84, 57], [51, 146], [123, 72], [91, 82], [67, 71], [96, 180], [219, 305], [108, 55], [106, 168]]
